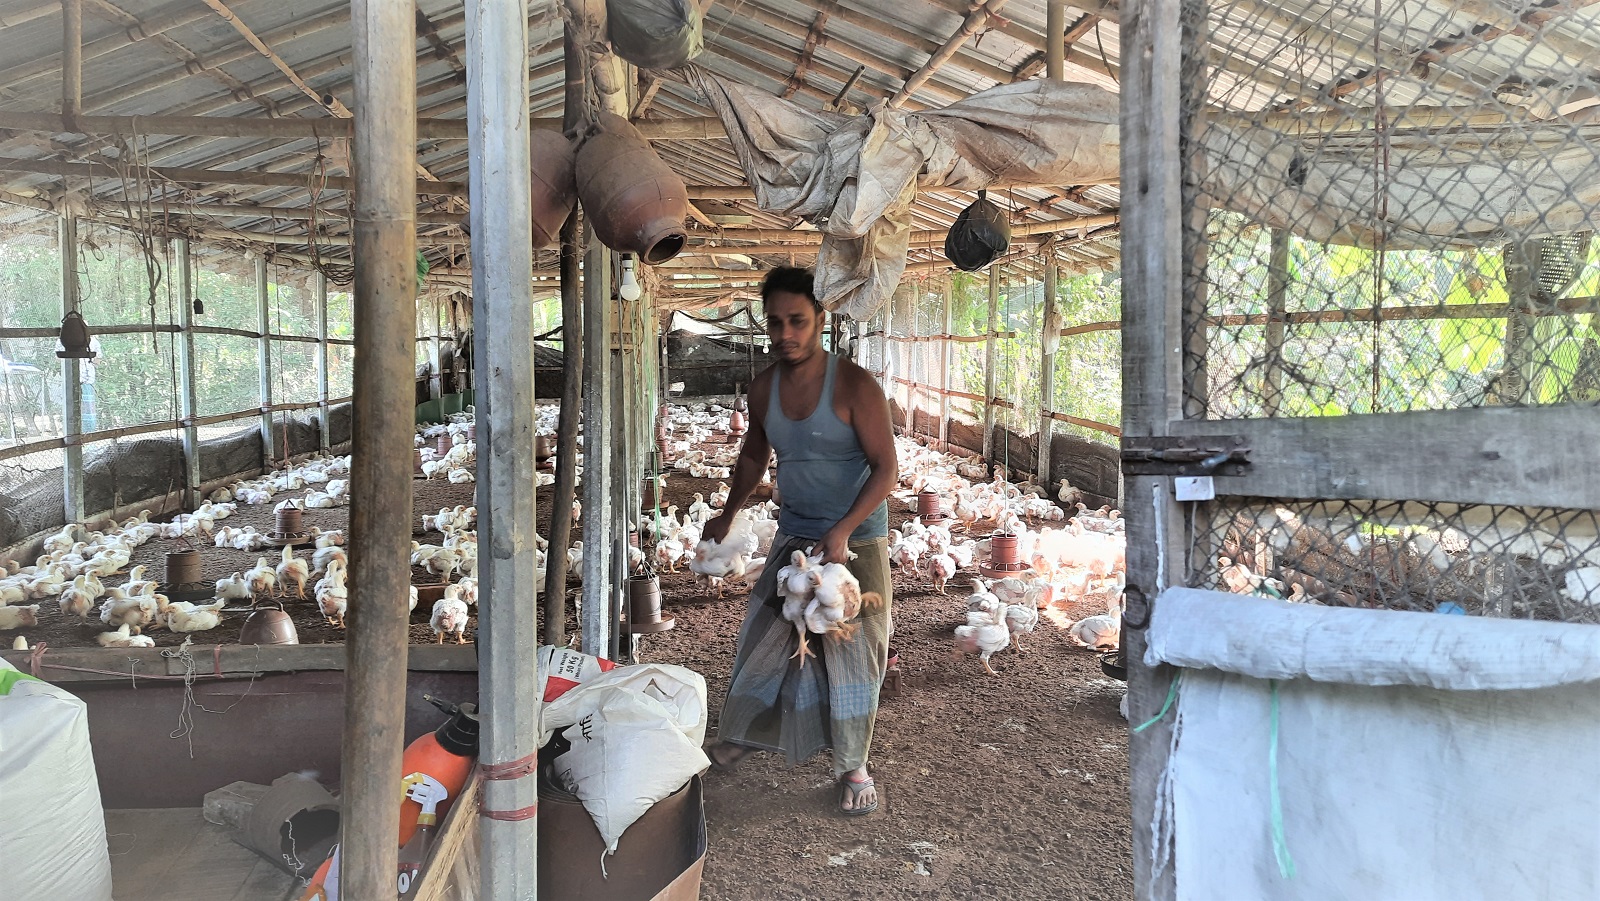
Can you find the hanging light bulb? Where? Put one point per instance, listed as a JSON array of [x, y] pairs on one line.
[[629, 289], [199, 307]]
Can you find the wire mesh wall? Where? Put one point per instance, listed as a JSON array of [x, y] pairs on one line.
[[130, 392], [1402, 206], [1391, 208], [1516, 562]]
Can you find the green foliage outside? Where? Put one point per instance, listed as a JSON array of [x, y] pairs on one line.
[[135, 375]]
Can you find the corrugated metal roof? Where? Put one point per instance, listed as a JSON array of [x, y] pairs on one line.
[[189, 61]]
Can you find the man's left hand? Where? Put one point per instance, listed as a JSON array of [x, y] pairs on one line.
[[835, 546]]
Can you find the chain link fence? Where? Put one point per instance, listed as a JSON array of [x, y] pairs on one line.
[[1391, 208]]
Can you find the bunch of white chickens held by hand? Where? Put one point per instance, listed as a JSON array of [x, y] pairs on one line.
[[822, 598], [731, 559]]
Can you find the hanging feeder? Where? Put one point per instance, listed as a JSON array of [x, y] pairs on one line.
[[636, 203], [930, 507], [74, 338], [184, 581], [544, 450], [1005, 557], [737, 424], [290, 528], [644, 605]]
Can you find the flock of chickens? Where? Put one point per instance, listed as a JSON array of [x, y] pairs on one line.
[[1073, 565], [1078, 565]]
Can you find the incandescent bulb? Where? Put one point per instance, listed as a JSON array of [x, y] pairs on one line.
[[629, 289]]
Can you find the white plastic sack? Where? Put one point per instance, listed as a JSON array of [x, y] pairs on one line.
[[1323, 753], [636, 734], [563, 669], [53, 835]]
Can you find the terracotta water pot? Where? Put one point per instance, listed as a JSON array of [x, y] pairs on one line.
[[737, 423], [544, 447], [442, 445], [554, 186], [636, 203], [1003, 550], [268, 625]]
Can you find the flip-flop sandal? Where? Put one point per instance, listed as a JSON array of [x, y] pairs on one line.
[[853, 790]]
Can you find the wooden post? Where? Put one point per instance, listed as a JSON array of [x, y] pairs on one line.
[[1055, 48], [621, 493], [187, 398], [944, 374], [1047, 360], [264, 361], [384, 152], [502, 269], [1152, 284], [988, 364], [435, 363], [71, 380], [1277, 307], [324, 441], [595, 610], [1521, 263], [71, 59]]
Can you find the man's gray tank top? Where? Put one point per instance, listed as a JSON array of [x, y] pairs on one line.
[[821, 467]]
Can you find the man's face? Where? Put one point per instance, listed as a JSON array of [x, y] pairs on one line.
[[793, 326]]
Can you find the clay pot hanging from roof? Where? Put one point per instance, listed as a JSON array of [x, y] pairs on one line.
[[636, 203], [554, 186]]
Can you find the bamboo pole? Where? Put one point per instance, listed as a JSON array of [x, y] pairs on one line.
[[264, 359], [71, 378], [71, 60], [1047, 364], [187, 398], [687, 129], [564, 490], [1055, 48], [970, 26], [989, 373], [596, 607], [944, 360], [1277, 303], [324, 441], [380, 511]]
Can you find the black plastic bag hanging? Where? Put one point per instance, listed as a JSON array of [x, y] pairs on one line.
[[980, 234], [654, 34]]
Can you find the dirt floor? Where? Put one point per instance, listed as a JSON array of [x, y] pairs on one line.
[[1009, 786]]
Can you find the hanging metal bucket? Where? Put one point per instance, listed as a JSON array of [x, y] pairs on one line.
[[290, 530], [644, 605], [651, 490], [268, 625], [416, 460], [636, 203], [740, 405]]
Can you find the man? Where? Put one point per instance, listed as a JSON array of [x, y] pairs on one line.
[[828, 421]]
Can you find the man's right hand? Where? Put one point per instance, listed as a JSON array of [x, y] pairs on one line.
[[716, 528]]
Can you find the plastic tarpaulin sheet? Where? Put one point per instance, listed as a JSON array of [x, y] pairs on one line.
[[1323, 753], [856, 176]]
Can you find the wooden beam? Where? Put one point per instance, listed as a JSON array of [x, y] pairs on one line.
[[15, 77], [698, 129], [214, 176], [813, 35], [191, 63], [1520, 456], [28, 14], [278, 62], [71, 59]]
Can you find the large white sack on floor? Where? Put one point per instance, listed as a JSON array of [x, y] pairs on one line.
[[680, 690], [1399, 775], [628, 751], [53, 833]]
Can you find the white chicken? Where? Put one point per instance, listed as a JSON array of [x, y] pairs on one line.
[[261, 577], [333, 598], [79, 599], [123, 637], [821, 598], [984, 634], [130, 611], [292, 569], [1020, 618], [324, 556], [19, 617], [716, 562], [183, 616], [233, 588], [1103, 631], [940, 568], [699, 511], [450, 615]]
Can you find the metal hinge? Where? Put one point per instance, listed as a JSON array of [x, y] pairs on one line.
[[1220, 455]]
